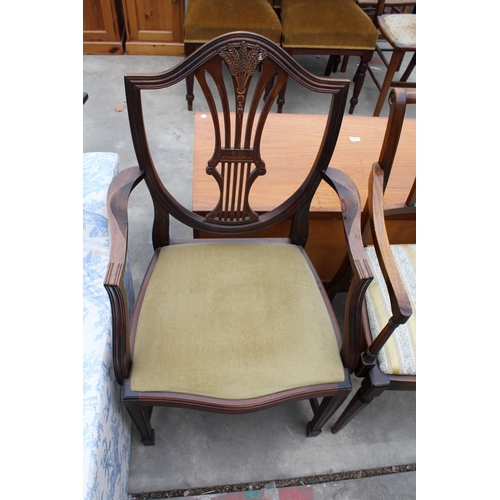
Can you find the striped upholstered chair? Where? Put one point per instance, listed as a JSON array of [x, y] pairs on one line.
[[388, 358]]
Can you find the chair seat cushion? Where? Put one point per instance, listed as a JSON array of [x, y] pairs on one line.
[[398, 356], [327, 24], [207, 19], [400, 30], [233, 320]]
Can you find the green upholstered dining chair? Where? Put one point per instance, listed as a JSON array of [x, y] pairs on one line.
[[207, 19], [387, 360], [238, 322], [332, 27]]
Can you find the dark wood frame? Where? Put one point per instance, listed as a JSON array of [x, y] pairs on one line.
[[276, 67], [375, 382]]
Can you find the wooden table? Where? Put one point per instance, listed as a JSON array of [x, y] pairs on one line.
[[289, 147]]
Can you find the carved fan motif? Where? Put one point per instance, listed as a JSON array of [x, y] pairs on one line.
[[242, 65]]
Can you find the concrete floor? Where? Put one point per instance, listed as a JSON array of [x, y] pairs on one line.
[[203, 450]]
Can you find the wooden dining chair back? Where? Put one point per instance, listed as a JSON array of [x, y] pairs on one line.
[[237, 322], [387, 359]]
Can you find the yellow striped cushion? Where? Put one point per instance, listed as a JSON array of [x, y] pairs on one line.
[[398, 357]]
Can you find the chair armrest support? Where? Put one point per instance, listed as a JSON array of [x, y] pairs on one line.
[[118, 195], [400, 302], [351, 214]]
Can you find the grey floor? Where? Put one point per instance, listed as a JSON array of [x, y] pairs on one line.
[[203, 450]]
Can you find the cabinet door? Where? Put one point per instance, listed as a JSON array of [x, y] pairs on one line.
[[102, 27], [154, 20]]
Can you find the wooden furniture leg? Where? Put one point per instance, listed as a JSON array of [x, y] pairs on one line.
[[325, 410], [371, 387], [141, 416], [410, 68], [358, 80], [396, 58]]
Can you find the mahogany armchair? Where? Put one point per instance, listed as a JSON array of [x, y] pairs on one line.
[[237, 323], [387, 359]]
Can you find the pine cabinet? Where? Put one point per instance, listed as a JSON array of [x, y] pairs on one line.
[[154, 27], [103, 27]]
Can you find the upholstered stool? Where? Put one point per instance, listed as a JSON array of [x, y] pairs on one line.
[[207, 19], [333, 27]]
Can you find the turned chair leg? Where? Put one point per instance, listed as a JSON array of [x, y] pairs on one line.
[[323, 413], [358, 80], [189, 48], [372, 386], [141, 416], [281, 97], [190, 91]]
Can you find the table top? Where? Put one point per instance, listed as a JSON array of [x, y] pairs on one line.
[[289, 146]]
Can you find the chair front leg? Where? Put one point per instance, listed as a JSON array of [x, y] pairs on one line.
[[359, 78], [189, 48], [190, 91], [326, 409], [141, 416], [281, 98], [372, 386]]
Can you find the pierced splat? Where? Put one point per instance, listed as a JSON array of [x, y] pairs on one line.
[[236, 162], [254, 70]]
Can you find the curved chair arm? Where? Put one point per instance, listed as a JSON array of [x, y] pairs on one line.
[[118, 195], [351, 214], [400, 302]]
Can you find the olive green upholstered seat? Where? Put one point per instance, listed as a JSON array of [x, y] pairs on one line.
[[228, 341], [206, 19], [333, 27], [327, 24]]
